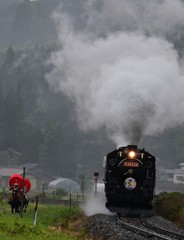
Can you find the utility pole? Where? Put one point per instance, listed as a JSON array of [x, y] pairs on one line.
[[22, 197], [96, 175], [43, 188], [82, 186], [35, 211]]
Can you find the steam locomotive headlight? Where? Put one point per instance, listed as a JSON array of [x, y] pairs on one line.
[[131, 154]]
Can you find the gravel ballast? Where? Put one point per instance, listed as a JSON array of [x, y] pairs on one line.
[[105, 227]]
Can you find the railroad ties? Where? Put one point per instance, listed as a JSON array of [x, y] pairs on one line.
[[141, 227]]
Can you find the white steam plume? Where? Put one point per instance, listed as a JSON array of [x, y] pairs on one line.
[[127, 82], [153, 17], [95, 202], [94, 205]]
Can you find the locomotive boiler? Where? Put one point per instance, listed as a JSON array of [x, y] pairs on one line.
[[130, 180]]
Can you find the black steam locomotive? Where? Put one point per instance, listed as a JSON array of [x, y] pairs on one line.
[[130, 180]]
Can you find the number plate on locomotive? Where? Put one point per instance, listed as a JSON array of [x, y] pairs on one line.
[[131, 164]]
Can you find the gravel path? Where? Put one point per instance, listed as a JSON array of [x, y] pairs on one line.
[[105, 227]]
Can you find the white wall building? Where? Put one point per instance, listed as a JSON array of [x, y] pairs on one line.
[[175, 175]]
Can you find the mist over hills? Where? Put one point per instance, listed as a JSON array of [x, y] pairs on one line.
[[57, 113], [26, 23]]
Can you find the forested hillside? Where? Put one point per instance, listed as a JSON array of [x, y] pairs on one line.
[[25, 23], [40, 123], [35, 121]]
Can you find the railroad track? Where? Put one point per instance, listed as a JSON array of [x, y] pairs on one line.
[[149, 231], [175, 235]]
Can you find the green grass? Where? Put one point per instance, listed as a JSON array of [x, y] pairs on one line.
[[13, 227]]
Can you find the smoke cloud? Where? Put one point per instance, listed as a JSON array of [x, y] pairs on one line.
[[95, 205], [121, 70]]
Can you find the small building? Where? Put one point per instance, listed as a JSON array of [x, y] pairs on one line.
[[5, 174], [98, 186], [38, 177], [175, 176], [178, 176], [64, 183]]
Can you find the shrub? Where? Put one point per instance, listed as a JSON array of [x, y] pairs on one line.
[[170, 206], [60, 192]]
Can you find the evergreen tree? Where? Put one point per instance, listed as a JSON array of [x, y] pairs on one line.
[[10, 56]]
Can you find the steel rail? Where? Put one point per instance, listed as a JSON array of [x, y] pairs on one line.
[[142, 231], [176, 235]]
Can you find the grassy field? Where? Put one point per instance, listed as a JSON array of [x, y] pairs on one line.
[[56, 222], [53, 223]]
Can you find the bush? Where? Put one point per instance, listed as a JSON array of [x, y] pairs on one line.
[[60, 192], [3, 194], [170, 206]]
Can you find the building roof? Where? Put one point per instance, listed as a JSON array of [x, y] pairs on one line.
[[29, 165], [60, 180], [8, 171], [64, 183], [174, 171]]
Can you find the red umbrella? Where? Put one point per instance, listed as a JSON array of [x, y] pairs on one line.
[[27, 184], [15, 178]]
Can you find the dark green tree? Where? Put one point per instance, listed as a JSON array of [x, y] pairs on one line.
[[10, 56]]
